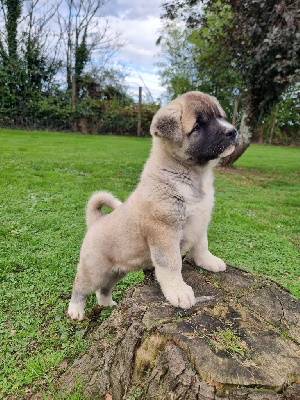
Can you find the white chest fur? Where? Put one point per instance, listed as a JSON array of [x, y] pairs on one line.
[[199, 205]]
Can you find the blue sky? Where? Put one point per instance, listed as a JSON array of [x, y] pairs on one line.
[[139, 22]]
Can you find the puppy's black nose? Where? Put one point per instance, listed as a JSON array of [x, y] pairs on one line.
[[232, 133]]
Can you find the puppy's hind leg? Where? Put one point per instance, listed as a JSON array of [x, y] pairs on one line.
[[83, 286], [104, 293]]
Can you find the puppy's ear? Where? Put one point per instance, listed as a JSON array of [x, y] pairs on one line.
[[167, 123]]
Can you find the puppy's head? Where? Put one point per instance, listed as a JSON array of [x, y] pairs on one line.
[[196, 123]]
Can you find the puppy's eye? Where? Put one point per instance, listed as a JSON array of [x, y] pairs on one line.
[[197, 127]]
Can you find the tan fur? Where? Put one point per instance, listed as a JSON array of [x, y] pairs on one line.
[[167, 215], [96, 202]]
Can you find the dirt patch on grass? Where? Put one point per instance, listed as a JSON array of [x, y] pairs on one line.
[[242, 176]]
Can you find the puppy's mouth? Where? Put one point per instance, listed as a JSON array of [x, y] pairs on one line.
[[228, 151], [231, 147]]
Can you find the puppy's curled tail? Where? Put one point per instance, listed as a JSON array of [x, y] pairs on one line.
[[95, 204]]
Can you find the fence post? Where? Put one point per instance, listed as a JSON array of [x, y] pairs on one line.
[[139, 127]]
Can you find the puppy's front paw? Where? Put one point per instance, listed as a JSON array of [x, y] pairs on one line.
[[212, 263], [182, 296], [76, 311]]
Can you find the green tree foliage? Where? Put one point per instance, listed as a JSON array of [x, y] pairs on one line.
[[265, 37], [109, 109], [33, 60], [193, 58], [24, 66], [211, 58], [9, 73], [284, 118], [177, 70], [12, 17], [258, 39], [82, 55]]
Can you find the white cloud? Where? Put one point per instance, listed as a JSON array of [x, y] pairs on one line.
[[139, 22], [133, 9], [140, 37]]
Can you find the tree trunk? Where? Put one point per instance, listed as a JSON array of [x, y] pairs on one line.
[[235, 110], [74, 102], [240, 341], [139, 125], [245, 136]]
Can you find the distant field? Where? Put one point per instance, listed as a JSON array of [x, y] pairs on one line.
[[45, 181]]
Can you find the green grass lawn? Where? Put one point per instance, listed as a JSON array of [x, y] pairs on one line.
[[45, 181]]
